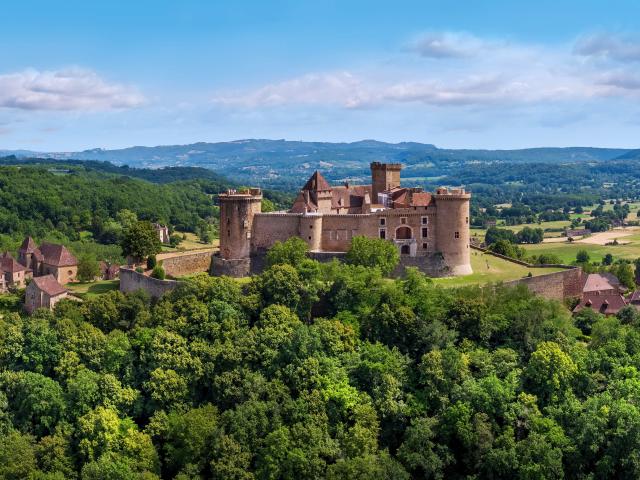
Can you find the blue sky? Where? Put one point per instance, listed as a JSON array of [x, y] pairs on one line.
[[463, 74]]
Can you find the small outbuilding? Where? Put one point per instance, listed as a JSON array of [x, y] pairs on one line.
[[43, 292]]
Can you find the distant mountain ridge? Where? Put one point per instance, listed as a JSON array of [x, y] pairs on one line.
[[283, 163]]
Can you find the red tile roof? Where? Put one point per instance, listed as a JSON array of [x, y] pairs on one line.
[[49, 285], [316, 182], [607, 304], [599, 282], [28, 245], [9, 264], [57, 255]]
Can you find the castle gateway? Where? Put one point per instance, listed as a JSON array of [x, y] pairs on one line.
[[430, 230]]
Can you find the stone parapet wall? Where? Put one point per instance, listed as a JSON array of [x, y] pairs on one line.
[[132, 281], [188, 264]]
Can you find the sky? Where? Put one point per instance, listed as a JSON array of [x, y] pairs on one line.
[[76, 75]]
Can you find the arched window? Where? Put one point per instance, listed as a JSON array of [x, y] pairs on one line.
[[404, 233]]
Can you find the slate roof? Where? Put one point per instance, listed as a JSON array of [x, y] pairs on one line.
[[57, 255], [49, 285]]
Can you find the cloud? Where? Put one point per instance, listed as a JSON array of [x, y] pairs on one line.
[[70, 89], [443, 45], [342, 88], [622, 79], [469, 71], [609, 46]]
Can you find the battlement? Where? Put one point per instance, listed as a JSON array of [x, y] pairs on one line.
[[244, 194], [444, 193], [386, 166]]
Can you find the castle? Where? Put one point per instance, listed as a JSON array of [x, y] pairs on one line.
[[430, 230]]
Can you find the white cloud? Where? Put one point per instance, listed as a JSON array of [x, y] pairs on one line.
[[449, 45], [461, 70], [70, 89], [610, 47], [341, 88]]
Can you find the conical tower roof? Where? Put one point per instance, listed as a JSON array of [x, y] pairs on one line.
[[316, 183]]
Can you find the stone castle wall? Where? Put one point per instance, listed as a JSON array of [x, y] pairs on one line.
[[268, 228], [557, 286], [187, 264], [132, 281]]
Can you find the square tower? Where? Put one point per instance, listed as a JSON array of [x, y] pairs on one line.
[[384, 176]]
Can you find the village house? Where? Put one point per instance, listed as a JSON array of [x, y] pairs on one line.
[[163, 232], [603, 293], [43, 292], [14, 275], [48, 259]]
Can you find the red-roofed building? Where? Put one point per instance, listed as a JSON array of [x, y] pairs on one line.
[[13, 273], [48, 259], [43, 292], [606, 304]]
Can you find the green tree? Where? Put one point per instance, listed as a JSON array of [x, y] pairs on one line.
[[88, 268], [291, 252], [582, 256], [373, 252], [141, 240]]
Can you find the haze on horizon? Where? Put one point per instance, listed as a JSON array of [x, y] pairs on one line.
[[492, 74]]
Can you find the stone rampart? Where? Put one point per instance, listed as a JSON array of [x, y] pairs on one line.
[[557, 285], [187, 264], [132, 281]]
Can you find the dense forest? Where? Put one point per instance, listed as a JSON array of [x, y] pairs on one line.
[[76, 201], [319, 371]]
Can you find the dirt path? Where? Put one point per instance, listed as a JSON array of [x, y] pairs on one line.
[[602, 238]]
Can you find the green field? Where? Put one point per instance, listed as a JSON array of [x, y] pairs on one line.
[[490, 269], [86, 290], [567, 251]]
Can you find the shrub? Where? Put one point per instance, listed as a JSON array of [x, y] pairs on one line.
[[151, 262], [158, 272]]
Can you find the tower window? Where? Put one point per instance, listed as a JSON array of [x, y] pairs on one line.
[[425, 220], [310, 227], [425, 245], [403, 220], [383, 233], [456, 235], [466, 220], [383, 221], [228, 233], [425, 232]]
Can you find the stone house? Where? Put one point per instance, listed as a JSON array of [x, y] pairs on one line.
[[48, 259], [163, 232], [14, 275], [43, 292], [603, 293]]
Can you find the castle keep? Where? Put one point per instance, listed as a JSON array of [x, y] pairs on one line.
[[430, 230]]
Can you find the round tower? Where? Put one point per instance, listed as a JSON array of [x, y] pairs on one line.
[[311, 230], [452, 229], [236, 220]]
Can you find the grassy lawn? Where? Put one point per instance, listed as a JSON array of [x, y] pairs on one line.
[[490, 269], [93, 289], [190, 243]]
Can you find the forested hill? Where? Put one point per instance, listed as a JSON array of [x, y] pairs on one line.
[[284, 164]]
